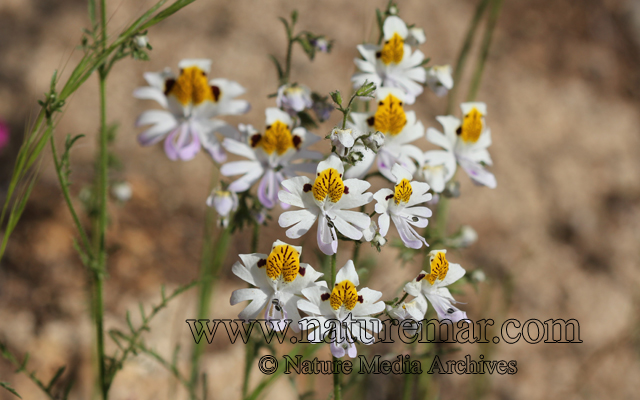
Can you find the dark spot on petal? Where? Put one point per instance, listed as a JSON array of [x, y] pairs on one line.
[[459, 130], [380, 103], [268, 127], [386, 42], [346, 190], [297, 140], [216, 93], [378, 54], [168, 85], [389, 197], [371, 120], [255, 139], [420, 277], [450, 311], [262, 262], [203, 73], [307, 187], [400, 103], [360, 299], [302, 271], [325, 296]]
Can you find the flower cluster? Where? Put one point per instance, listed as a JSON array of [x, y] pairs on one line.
[[276, 162]]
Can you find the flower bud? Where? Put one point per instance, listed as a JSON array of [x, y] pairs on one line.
[[225, 202], [342, 140], [374, 141], [465, 237], [141, 41], [336, 97], [478, 276], [321, 44], [121, 191]]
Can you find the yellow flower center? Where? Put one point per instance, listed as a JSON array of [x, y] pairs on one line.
[[277, 138], [192, 87], [328, 183], [403, 192], [344, 293], [439, 267], [471, 126], [390, 117], [393, 50], [284, 260]]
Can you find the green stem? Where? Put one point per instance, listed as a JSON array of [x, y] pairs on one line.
[[464, 52], [255, 237], [288, 59], [67, 197], [249, 356], [356, 253], [208, 276], [101, 223], [252, 346], [333, 271], [406, 388], [337, 377], [496, 5], [337, 383]]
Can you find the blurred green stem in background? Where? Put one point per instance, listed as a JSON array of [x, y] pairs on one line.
[[464, 52], [496, 5], [212, 260]]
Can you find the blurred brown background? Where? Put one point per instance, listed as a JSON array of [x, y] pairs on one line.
[[558, 238]]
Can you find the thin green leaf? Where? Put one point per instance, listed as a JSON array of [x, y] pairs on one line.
[[10, 389]]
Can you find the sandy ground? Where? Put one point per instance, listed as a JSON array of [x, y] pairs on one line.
[[558, 237]]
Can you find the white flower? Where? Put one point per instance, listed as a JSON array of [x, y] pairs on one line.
[[279, 278], [350, 310], [399, 128], [466, 142], [225, 202], [294, 98], [438, 168], [326, 199], [191, 101], [343, 140], [270, 155], [399, 206], [432, 286], [392, 64], [439, 79], [413, 311], [122, 191], [416, 36]]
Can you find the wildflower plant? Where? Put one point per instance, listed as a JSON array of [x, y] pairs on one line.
[[271, 173]]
